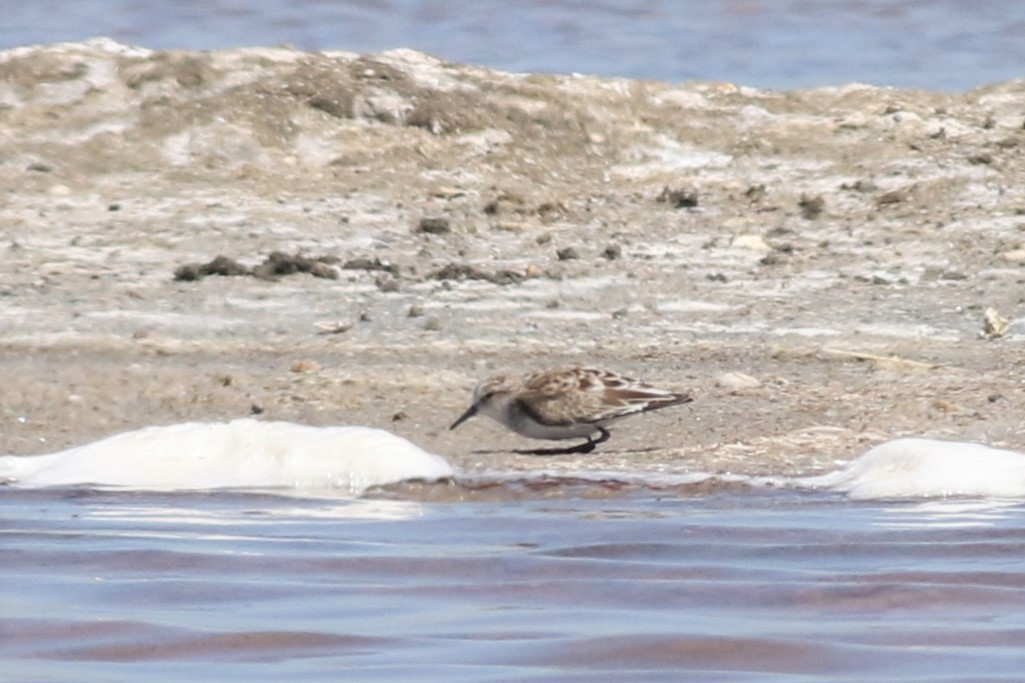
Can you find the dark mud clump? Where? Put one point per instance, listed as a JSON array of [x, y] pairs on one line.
[[434, 226], [220, 265], [274, 266], [679, 198], [463, 271], [363, 263]]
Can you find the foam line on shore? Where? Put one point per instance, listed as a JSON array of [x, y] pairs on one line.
[[252, 454], [244, 453], [917, 468]]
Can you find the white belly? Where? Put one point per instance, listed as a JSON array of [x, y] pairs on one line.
[[536, 430]]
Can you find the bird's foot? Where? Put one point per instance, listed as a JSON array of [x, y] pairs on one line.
[[585, 447]]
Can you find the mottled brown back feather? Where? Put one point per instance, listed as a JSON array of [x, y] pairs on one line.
[[527, 409], [567, 396]]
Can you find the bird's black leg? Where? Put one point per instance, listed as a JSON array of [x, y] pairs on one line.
[[586, 447]]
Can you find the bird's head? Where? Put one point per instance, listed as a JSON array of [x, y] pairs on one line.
[[489, 397]]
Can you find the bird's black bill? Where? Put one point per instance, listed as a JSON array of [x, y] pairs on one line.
[[470, 412]]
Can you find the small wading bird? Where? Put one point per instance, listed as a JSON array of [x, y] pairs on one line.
[[566, 403]]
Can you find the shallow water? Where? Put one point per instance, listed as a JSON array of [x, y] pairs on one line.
[[583, 582], [939, 44]]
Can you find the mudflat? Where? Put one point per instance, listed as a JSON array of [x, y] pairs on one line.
[[822, 269]]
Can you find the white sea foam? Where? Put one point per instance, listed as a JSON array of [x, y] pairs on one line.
[[914, 468], [244, 453], [896, 470], [251, 454]]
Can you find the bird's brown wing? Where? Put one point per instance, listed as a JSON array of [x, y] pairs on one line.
[[561, 396], [623, 402], [573, 395]]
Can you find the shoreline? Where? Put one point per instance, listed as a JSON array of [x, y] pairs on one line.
[[814, 265]]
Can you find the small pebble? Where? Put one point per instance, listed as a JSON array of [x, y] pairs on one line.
[[994, 325], [752, 242], [434, 226], [737, 380], [305, 366], [386, 283], [811, 207], [679, 198]]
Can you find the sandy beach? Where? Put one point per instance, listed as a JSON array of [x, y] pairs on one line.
[[815, 266]]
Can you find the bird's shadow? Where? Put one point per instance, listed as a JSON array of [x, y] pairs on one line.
[[554, 452]]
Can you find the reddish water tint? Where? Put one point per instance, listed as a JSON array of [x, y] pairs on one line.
[[688, 584]]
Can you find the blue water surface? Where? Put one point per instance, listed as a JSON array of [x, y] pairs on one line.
[[733, 586], [933, 44]]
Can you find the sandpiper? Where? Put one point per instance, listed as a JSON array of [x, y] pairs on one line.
[[566, 403]]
